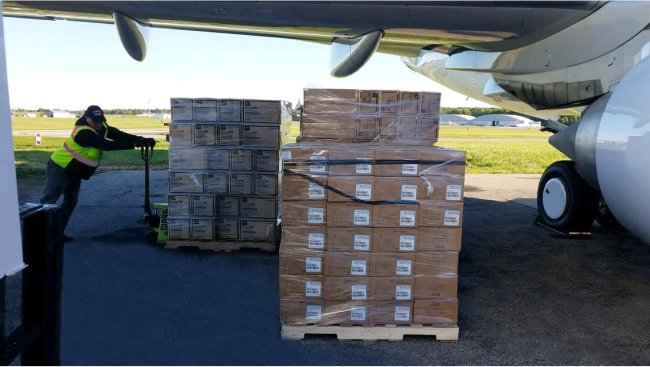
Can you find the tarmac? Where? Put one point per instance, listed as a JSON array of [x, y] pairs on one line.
[[526, 295]]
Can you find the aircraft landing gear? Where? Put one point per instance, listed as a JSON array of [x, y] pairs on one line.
[[564, 199]]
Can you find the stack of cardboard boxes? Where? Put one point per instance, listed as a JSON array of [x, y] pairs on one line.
[[224, 169], [371, 234]]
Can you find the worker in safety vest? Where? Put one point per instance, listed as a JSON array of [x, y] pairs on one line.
[[79, 157]]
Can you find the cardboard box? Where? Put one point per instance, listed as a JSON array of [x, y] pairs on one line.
[[262, 112], [241, 159], [367, 128], [205, 110], [267, 160], [181, 133], [439, 239], [440, 286], [347, 313], [349, 215], [407, 128], [430, 104], [395, 215], [360, 162], [304, 238], [395, 239], [440, 214], [343, 101], [347, 264], [410, 102], [230, 110], [203, 205], [257, 230], [217, 159], [348, 289], [304, 160], [392, 265], [241, 183], [229, 135], [186, 158], [361, 188], [436, 312], [217, 183], [399, 188], [393, 288], [182, 109], [296, 187], [441, 188], [298, 213], [265, 184], [185, 182], [397, 170], [301, 286], [436, 263], [443, 162], [336, 127], [179, 204], [368, 102], [349, 239], [260, 208], [202, 229], [392, 312], [227, 228], [261, 136], [388, 127], [389, 102], [301, 312], [305, 262], [179, 228], [428, 129], [227, 206]]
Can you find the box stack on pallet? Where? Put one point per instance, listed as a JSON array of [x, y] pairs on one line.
[[224, 173], [371, 238]]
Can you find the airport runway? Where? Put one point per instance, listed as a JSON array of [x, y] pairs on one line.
[[147, 133], [526, 295]]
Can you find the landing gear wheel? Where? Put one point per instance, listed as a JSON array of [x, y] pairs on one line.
[[564, 199], [606, 218], [152, 238]]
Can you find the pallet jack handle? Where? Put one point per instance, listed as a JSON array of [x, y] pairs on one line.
[[146, 152]]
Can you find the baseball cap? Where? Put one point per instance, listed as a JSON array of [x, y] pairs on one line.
[[95, 113]]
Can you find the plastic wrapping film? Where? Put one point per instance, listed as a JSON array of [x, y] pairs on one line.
[[371, 234], [362, 116], [224, 169]]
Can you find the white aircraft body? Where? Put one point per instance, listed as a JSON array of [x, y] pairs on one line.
[[543, 59]]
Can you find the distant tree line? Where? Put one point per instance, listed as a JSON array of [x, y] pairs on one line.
[[115, 111], [480, 111]]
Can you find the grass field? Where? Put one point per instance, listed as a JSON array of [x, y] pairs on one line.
[[490, 132], [120, 122]]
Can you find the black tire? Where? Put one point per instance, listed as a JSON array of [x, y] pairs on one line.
[[606, 218], [152, 238], [582, 199]]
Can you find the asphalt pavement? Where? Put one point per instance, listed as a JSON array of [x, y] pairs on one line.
[[526, 295]]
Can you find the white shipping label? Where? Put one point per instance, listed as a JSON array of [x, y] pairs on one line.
[[316, 191], [402, 313], [364, 191], [361, 217], [452, 218], [312, 289], [313, 313], [358, 267], [313, 265], [406, 242], [403, 267], [287, 155], [358, 313], [365, 169], [403, 292], [410, 169], [359, 292], [409, 192], [317, 168], [316, 241], [362, 242], [315, 215], [454, 192], [407, 218]]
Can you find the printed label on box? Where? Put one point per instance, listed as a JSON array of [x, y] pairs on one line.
[[316, 241], [361, 217], [410, 169], [403, 267], [312, 264], [362, 242], [315, 215], [409, 192], [316, 191], [364, 191], [452, 218], [403, 292], [358, 313], [359, 292], [364, 168], [286, 155], [454, 192], [317, 168], [358, 267], [407, 218], [402, 313], [313, 313], [406, 242], [312, 289]]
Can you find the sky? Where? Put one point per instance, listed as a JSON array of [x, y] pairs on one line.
[[71, 65]]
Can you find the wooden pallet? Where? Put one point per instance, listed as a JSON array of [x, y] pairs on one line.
[[223, 246], [372, 333]]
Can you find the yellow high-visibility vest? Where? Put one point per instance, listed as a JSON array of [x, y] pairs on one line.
[[71, 150]]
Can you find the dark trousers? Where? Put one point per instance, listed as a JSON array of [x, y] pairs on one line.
[[58, 183]]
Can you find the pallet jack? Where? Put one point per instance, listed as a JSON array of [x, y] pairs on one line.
[[155, 216]]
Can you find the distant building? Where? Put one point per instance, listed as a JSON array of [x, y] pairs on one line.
[[30, 114], [145, 115], [505, 120], [162, 116], [454, 119], [58, 114]]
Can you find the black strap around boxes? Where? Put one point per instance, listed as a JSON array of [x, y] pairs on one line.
[[348, 162]]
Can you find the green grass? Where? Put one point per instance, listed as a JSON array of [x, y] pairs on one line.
[[120, 122], [490, 132]]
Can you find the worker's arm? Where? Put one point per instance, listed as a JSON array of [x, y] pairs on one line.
[[88, 138], [119, 135]]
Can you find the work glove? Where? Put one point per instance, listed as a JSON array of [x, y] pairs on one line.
[[151, 142]]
